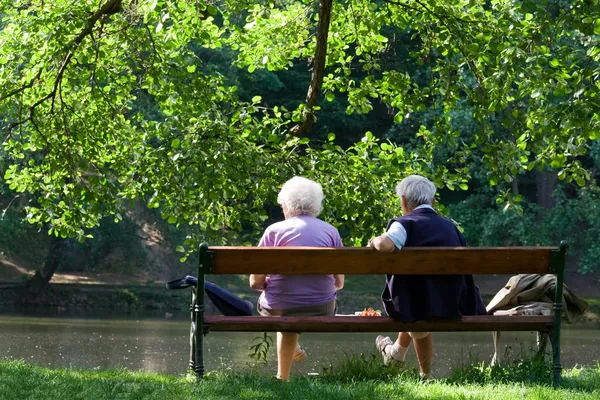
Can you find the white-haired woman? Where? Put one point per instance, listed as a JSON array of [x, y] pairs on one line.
[[421, 297], [298, 295]]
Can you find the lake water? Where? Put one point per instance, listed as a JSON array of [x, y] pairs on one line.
[[162, 345]]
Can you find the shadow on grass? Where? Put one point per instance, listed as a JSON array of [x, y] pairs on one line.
[[236, 386]]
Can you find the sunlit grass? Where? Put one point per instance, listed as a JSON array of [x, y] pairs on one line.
[[358, 378]]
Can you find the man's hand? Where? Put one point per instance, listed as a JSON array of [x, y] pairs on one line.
[[382, 243]]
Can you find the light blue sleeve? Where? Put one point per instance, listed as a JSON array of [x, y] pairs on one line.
[[397, 234]]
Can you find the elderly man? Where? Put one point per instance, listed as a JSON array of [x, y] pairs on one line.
[[422, 297]]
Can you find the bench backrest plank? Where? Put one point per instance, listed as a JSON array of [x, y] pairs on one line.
[[348, 260]]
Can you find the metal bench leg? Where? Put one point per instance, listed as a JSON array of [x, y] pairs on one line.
[[192, 364], [557, 266], [556, 366], [198, 312], [199, 339]]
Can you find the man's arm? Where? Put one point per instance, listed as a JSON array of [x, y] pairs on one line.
[[382, 243], [394, 239]]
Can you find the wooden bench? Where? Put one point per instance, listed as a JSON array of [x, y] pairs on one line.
[[366, 261]]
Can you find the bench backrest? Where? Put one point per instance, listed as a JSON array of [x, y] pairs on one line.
[[410, 261]]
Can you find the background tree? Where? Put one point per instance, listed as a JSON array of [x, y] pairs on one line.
[[106, 102]]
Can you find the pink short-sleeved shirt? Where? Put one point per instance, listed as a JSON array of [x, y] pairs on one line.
[[292, 291]]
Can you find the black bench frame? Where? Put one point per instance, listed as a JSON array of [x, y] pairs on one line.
[[549, 325]]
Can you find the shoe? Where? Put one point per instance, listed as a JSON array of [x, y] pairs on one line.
[[382, 342], [299, 355], [385, 346]]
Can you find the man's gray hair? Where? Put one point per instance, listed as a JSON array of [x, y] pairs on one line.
[[301, 196], [417, 190]]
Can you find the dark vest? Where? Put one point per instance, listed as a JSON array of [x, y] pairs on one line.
[[410, 298]]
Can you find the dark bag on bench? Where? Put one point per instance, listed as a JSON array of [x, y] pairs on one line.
[[226, 302]]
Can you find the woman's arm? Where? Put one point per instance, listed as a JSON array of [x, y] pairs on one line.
[[258, 281], [339, 281]]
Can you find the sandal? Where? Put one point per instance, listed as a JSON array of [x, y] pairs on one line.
[[299, 355]]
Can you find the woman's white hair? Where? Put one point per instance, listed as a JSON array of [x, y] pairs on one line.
[[301, 196], [417, 190]]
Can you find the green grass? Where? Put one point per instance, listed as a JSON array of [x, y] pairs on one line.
[[358, 378]]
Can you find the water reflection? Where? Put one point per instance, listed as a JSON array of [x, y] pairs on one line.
[[162, 345]]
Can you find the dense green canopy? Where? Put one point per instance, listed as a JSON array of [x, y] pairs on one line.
[[106, 101]]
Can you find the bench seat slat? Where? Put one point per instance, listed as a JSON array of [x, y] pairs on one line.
[[434, 261], [376, 324]]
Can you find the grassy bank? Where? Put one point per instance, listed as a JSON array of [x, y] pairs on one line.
[[20, 381]]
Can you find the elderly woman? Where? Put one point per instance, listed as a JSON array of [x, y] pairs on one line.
[[422, 297], [297, 295]]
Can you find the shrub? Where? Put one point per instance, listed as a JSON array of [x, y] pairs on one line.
[[576, 219]]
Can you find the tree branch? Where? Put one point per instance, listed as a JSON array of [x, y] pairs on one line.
[[110, 7], [409, 7], [316, 83], [28, 85], [470, 64], [399, 3], [152, 42]]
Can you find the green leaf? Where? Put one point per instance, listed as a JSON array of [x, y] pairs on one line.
[[175, 143], [473, 48], [330, 137], [212, 10], [172, 219], [597, 27], [464, 186], [191, 68], [329, 97]]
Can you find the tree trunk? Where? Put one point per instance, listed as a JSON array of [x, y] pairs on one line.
[[545, 181], [36, 286], [515, 185], [316, 82]]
